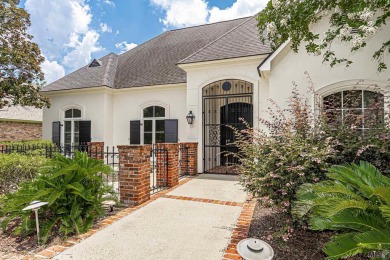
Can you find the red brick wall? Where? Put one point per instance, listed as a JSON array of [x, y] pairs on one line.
[[17, 131]]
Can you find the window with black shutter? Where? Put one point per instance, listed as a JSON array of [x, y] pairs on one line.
[[171, 130], [84, 132], [135, 132], [56, 133]]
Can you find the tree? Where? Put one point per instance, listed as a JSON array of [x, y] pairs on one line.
[[20, 72], [353, 21]]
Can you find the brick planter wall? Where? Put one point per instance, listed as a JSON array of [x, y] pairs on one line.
[[192, 158], [134, 174], [18, 131], [96, 150]]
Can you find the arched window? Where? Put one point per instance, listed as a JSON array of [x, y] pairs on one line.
[[358, 109], [72, 127], [153, 122]]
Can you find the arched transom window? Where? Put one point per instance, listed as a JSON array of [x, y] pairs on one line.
[[358, 109], [153, 122], [72, 127]]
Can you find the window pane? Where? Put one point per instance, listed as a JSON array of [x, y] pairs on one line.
[[148, 125], [333, 117], [76, 139], [353, 118], [148, 139], [352, 99], [76, 113], [159, 112], [373, 118], [333, 101], [148, 112], [373, 100], [76, 126], [68, 113], [160, 137], [68, 139], [160, 125], [68, 126]]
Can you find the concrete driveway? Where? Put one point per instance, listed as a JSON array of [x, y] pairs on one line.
[[171, 228]]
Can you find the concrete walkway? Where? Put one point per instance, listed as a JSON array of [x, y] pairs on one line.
[[171, 227]]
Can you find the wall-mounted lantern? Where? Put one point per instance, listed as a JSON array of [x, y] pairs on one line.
[[190, 118]]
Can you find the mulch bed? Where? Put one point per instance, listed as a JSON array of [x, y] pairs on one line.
[[302, 244], [16, 247]]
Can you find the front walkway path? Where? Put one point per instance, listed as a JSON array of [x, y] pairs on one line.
[[194, 221]]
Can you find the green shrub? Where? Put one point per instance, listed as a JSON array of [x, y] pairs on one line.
[[35, 148], [27, 143], [356, 202], [75, 191], [17, 168], [291, 151]]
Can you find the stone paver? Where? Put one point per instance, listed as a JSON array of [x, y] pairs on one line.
[[169, 228]]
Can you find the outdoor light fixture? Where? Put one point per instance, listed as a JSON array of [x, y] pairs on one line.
[[255, 249], [35, 205], [190, 118]]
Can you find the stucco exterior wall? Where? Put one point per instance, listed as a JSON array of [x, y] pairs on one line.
[[201, 74], [289, 67], [128, 105], [93, 106], [20, 131]]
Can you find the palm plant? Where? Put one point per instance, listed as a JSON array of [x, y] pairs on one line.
[[74, 189], [356, 202]]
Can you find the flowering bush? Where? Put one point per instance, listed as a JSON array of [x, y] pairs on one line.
[[298, 145]]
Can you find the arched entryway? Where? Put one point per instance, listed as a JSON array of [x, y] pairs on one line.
[[225, 102]]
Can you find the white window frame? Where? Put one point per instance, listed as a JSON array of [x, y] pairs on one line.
[[153, 119], [72, 120]]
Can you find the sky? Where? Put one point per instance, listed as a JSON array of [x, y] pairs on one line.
[[71, 33]]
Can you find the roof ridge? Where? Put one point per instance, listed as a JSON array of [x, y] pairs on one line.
[[220, 37], [43, 89], [206, 24], [108, 68]]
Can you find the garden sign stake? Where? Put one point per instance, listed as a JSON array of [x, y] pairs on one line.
[[36, 205]]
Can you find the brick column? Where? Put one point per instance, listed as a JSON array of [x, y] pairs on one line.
[[173, 164], [192, 158], [96, 150], [134, 172]]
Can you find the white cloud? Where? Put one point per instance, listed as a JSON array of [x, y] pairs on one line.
[[105, 28], [52, 70], [62, 31], [108, 2], [124, 46], [182, 13], [241, 8], [81, 54], [179, 13]]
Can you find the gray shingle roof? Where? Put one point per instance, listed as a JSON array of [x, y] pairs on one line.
[[241, 41], [88, 77], [155, 61]]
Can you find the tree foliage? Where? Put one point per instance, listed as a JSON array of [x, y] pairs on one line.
[[352, 21], [20, 58]]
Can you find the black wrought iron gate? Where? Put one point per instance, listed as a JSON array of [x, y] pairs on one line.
[[224, 107]]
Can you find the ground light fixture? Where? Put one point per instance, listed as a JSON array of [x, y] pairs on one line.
[[255, 249], [35, 205], [190, 118]]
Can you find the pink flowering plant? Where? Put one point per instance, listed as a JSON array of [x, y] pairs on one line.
[[297, 145]]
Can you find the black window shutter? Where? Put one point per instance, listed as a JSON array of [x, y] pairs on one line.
[[85, 132], [135, 132], [56, 133], [171, 131]]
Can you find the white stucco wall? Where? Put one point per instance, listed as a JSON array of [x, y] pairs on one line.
[[92, 104], [129, 103], [288, 67], [201, 74]]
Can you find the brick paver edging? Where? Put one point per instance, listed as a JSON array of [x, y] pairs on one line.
[[241, 231], [219, 202], [56, 249]]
